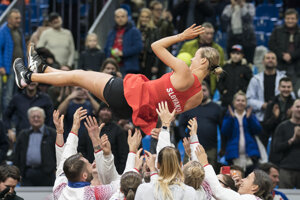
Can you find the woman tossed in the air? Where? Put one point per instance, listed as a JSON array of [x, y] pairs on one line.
[[135, 96]]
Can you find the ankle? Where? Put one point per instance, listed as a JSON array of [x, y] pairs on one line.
[[28, 77]]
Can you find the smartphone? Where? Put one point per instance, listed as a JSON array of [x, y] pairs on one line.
[[225, 170]]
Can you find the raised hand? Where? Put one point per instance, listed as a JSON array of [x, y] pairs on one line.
[[58, 122], [193, 126], [139, 160], [93, 128], [134, 140], [79, 115], [150, 160], [187, 147], [105, 144], [192, 32], [201, 155], [164, 113]]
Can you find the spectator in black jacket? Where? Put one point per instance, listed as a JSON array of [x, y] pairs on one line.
[[19, 106], [285, 42], [287, 142], [9, 178], [3, 143], [236, 77], [35, 151], [191, 11], [278, 110], [93, 57], [116, 136]]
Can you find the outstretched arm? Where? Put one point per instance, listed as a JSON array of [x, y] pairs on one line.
[[59, 144], [160, 48]]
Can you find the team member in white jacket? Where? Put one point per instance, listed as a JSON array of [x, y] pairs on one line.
[[256, 186], [169, 184], [74, 172]]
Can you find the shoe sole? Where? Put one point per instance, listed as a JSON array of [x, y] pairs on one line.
[[16, 77]]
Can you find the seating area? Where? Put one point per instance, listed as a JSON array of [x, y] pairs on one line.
[[267, 17]]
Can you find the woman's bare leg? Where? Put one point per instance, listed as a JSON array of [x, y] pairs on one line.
[[92, 81]]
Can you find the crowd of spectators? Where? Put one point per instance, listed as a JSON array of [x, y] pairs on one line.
[[250, 119]]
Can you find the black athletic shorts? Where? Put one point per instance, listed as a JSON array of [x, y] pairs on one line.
[[114, 96]]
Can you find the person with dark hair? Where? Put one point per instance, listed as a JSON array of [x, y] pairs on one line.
[[116, 136], [12, 46], [58, 40], [278, 110], [263, 87], [15, 115], [136, 96], [273, 172], [237, 76], [78, 97], [48, 57], [74, 172], [9, 178], [110, 66], [227, 182], [285, 42], [256, 186], [286, 143]]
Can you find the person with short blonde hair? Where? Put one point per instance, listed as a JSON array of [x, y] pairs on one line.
[[93, 56]]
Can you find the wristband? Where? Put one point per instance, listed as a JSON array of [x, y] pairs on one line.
[[164, 127]]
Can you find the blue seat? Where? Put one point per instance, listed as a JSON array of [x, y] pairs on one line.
[[267, 10], [84, 10], [2, 8], [264, 24], [261, 38], [221, 39]]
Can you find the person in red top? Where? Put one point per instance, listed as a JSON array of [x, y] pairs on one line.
[[135, 96]]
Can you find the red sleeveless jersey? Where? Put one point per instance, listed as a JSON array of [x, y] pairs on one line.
[[143, 97]]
